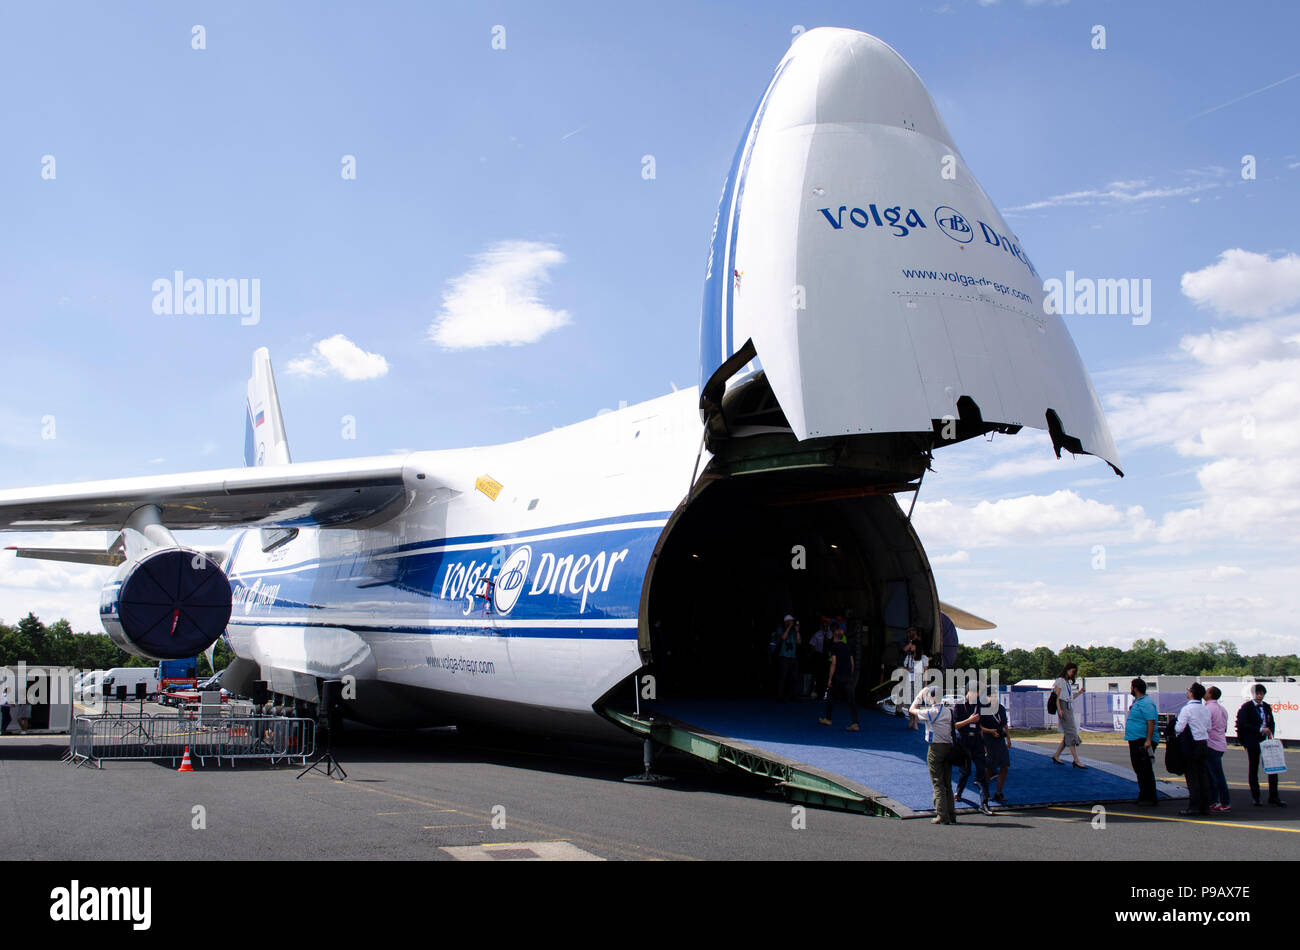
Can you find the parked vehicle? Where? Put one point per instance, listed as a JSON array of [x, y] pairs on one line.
[[129, 676], [212, 682], [173, 694]]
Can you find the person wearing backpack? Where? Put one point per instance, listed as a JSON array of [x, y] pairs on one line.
[[1193, 730], [1064, 692]]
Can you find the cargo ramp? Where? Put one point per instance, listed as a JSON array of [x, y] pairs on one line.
[[880, 770]]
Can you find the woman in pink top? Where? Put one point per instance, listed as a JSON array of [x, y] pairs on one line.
[[1217, 743]]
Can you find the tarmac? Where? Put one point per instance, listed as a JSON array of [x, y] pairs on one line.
[[442, 795]]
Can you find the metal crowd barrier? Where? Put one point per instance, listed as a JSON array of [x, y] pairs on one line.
[[99, 738]]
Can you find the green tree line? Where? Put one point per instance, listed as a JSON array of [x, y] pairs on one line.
[[37, 644], [1145, 658]]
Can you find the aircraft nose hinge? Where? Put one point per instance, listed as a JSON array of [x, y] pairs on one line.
[[1060, 440]]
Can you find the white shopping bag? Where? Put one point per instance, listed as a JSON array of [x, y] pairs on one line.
[[1270, 752]]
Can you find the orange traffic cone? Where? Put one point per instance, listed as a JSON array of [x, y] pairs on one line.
[[185, 762]]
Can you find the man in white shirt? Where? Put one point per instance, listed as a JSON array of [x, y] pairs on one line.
[[1193, 731]]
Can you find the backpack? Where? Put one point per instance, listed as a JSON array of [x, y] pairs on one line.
[[960, 754], [1173, 750]]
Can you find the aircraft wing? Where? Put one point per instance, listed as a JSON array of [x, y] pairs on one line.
[[964, 620], [354, 492]]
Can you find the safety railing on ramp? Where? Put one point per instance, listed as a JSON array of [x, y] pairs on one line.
[[272, 738]]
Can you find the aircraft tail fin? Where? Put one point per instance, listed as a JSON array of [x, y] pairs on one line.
[[265, 441]]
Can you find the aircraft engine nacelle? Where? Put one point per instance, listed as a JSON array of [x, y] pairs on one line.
[[168, 604]]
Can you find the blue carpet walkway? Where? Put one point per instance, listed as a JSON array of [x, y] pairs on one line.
[[889, 757]]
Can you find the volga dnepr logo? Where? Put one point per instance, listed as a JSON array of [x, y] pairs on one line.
[[901, 224], [953, 223], [553, 573], [511, 579]]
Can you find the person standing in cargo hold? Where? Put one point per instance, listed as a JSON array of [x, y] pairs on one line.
[[914, 663], [819, 648], [787, 658], [841, 679]]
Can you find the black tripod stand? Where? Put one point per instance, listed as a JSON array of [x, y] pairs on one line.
[[137, 730], [324, 757]]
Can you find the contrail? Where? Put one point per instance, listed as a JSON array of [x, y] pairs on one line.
[[1246, 96]]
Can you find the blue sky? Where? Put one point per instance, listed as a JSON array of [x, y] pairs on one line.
[[477, 165]]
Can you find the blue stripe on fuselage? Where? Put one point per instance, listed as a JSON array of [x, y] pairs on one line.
[[575, 632], [575, 578]]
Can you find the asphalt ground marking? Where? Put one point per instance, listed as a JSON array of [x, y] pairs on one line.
[[522, 851], [533, 827], [1216, 822]]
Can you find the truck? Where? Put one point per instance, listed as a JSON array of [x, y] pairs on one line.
[[183, 672]]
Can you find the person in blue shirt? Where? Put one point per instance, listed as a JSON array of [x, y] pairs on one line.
[[1142, 737], [787, 642]]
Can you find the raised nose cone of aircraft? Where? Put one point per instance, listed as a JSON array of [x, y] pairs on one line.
[[860, 266]]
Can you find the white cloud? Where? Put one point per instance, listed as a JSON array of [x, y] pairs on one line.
[[1129, 603], [1063, 516], [1229, 400], [1224, 571], [339, 355], [1038, 463], [1245, 284], [52, 589], [1117, 193], [496, 302], [956, 557]]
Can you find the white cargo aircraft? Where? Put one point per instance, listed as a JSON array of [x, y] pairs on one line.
[[864, 304]]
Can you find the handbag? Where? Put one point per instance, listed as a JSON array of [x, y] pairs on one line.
[[1272, 757], [1051, 704]]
